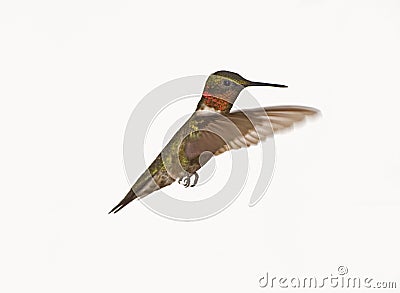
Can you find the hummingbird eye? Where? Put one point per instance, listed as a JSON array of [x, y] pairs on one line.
[[227, 82]]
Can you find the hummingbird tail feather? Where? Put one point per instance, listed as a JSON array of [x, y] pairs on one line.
[[127, 199]]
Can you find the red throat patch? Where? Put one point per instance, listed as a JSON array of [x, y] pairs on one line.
[[214, 102]]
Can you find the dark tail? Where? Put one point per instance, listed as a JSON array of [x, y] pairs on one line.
[[127, 199]]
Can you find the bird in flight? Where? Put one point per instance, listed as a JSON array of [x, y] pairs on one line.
[[212, 130]]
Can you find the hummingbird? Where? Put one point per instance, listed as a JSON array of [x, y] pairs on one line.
[[212, 130]]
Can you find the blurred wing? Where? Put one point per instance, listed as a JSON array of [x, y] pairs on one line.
[[223, 132]]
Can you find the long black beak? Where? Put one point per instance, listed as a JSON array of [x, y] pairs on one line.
[[254, 83]]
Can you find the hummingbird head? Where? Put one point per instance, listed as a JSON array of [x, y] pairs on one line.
[[222, 89]]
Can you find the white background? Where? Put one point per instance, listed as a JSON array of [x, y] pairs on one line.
[[72, 71]]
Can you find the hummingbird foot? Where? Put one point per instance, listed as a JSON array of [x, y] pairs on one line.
[[186, 180]]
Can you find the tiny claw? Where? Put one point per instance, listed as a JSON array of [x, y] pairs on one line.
[[186, 182], [196, 178]]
